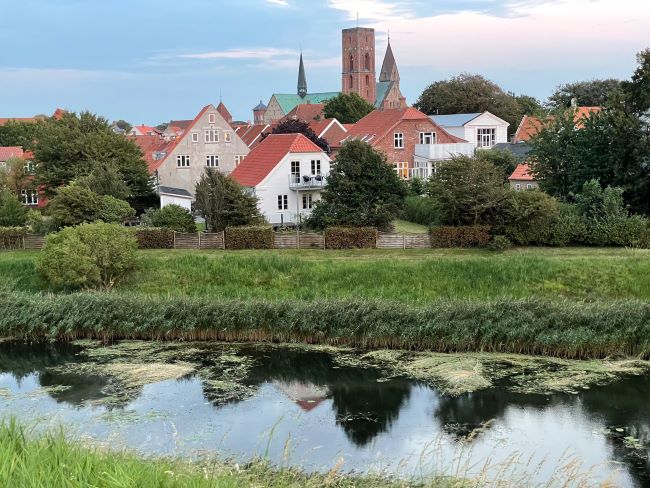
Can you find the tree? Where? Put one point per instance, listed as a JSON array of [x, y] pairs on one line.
[[638, 88], [470, 93], [14, 177], [530, 105], [223, 202], [114, 210], [75, 204], [361, 190], [347, 109], [12, 212], [596, 202], [295, 126], [124, 125], [592, 93], [73, 146], [173, 217], [105, 179], [467, 190], [504, 160], [96, 255], [24, 134]]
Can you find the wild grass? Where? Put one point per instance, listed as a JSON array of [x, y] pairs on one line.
[[531, 326], [408, 276], [406, 226], [49, 460]]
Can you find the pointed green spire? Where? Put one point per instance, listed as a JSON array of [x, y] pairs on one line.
[[302, 79]]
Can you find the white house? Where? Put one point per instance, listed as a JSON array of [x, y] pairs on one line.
[[428, 157], [287, 173], [175, 196], [483, 129]]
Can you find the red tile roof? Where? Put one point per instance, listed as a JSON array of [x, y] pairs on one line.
[[306, 112], [378, 123], [521, 173], [181, 124], [223, 111], [330, 130], [252, 135], [3, 121], [265, 157], [530, 126], [150, 145], [8, 152]]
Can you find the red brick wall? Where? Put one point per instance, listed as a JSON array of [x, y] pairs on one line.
[[357, 43]]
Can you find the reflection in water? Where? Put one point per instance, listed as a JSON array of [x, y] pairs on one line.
[[331, 410]]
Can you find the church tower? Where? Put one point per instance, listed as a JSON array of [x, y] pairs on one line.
[[390, 96], [302, 79], [358, 61]]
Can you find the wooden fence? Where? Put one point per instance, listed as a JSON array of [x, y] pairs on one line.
[[293, 240]]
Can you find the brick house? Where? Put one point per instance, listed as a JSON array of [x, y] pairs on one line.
[[30, 195], [521, 179]]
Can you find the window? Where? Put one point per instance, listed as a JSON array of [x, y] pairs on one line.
[[307, 201], [283, 202], [195, 137], [367, 80], [486, 137], [351, 63], [295, 171], [29, 197], [211, 136], [212, 118], [366, 62], [517, 187], [183, 161], [529, 186], [30, 166], [402, 170], [227, 137], [351, 82], [239, 159], [315, 167], [211, 161], [427, 137], [399, 140]]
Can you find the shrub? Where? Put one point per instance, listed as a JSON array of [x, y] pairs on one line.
[[421, 210], [351, 237], [114, 210], [75, 204], [40, 224], [154, 238], [173, 217], [526, 217], [618, 231], [250, 237], [88, 256], [12, 237], [12, 211], [499, 244], [568, 228], [466, 236]]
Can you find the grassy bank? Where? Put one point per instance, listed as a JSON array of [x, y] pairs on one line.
[[51, 461], [408, 276], [554, 328]]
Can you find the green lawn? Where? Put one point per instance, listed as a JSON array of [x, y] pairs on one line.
[[405, 226], [412, 276]]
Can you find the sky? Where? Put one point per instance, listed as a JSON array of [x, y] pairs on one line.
[[150, 61]]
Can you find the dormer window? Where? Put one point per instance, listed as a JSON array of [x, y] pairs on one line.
[[486, 138], [427, 137], [212, 118]]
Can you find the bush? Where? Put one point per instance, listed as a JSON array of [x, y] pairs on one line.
[[40, 224], [568, 228], [75, 204], [88, 256], [12, 211], [114, 210], [499, 244], [421, 210], [466, 236], [172, 217], [526, 217], [250, 237], [618, 231], [154, 238], [12, 237], [351, 237]]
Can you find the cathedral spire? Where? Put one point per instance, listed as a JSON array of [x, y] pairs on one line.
[[389, 67], [302, 79]]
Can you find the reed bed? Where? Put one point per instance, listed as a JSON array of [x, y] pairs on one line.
[[530, 326]]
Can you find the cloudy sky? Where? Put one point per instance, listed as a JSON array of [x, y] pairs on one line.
[[149, 61]]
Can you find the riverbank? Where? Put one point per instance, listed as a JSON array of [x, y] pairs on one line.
[[407, 276]]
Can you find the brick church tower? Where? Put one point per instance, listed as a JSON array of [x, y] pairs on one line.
[[358, 61]]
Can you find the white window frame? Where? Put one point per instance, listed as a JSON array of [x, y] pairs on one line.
[[283, 202], [227, 136], [529, 186], [486, 137], [211, 161], [30, 167], [315, 167], [195, 137], [518, 186], [307, 201], [295, 171], [212, 118], [29, 197], [402, 169], [239, 158], [398, 140], [430, 136], [183, 161], [211, 136]]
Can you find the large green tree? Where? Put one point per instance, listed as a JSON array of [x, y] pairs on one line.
[[472, 93], [637, 89], [362, 189], [75, 146], [223, 202], [347, 108], [24, 134], [591, 93]]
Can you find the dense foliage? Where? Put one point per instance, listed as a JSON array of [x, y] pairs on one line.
[[12, 211], [591, 93], [250, 237], [347, 108], [460, 236], [225, 203], [14, 176], [154, 238], [362, 190], [421, 210], [350, 237], [75, 204], [12, 237], [172, 217], [95, 255]]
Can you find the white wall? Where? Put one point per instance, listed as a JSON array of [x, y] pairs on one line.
[[277, 183], [486, 121], [184, 202]]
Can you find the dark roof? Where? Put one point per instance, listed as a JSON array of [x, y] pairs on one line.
[[260, 106], [389, 67], [520, 149], [178, 192], [302, 79]]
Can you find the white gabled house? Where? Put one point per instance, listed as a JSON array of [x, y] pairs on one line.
[[287, 173], [482, 129]]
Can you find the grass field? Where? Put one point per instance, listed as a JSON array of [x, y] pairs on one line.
[[409, 276]]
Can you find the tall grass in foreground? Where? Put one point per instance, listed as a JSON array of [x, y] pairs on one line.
[[554, 328], [49, 460]]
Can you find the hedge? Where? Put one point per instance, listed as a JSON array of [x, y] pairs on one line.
[[351, 237], [465, 236], [250, 237], [155, 238], [12, 237]]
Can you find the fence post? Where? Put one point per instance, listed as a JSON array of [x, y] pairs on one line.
[[324, 246], [23, 239], [199, 239], [223, 240], [298, 237], [174, 239]]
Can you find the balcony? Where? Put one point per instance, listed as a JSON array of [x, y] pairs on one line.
[[442, 152], [307, 182]]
